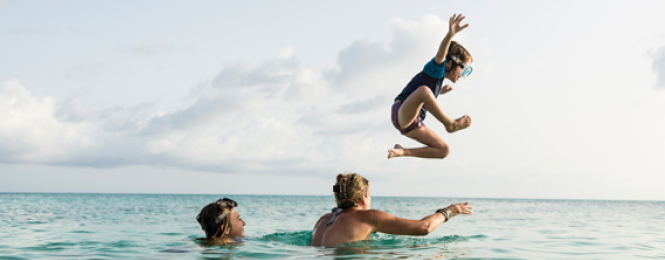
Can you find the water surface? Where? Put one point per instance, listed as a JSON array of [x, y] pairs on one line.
[[157, 226]]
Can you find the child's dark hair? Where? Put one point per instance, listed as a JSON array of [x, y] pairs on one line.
[[458, 51]]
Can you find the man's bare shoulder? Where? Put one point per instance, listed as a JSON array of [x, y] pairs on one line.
[[372, 214], [323, 218]]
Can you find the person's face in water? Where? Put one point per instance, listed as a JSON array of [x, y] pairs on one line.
[[237, 224]]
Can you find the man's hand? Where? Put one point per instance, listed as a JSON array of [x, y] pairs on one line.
[[460, 208]]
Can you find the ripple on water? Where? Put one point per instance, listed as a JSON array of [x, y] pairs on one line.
[[51, 246], [175, 251], [123, 244], [81, 232], [9, 257], [299, 238], [171, 234]]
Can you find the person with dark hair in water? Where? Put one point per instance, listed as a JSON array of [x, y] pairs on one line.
[[353, 220], [221, 222]]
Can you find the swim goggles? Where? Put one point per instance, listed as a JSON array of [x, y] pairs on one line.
[[225, 202], [466, 68]]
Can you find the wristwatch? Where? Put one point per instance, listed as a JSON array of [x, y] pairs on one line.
[[445, 212]]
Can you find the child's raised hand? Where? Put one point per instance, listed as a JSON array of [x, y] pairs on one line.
[[455, 21]]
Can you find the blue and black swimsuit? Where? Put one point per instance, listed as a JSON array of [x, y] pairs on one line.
[[431, 76]]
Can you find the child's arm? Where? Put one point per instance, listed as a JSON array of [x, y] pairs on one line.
[[454, 28]]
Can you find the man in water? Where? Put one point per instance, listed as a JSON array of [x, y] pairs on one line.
[[353, 220]]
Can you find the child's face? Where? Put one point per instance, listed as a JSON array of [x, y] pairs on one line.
[[455, 74]]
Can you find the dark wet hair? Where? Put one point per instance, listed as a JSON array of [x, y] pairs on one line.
[[214, 220]]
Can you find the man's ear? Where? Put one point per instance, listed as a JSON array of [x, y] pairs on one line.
[[363, 200]]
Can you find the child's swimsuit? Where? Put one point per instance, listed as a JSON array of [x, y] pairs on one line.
[[432, 76], [418, 123]]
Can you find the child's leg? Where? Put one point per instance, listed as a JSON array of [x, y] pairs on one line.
[[424, 96], [436, 147]]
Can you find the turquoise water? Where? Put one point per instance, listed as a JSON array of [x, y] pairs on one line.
[[138, 226]]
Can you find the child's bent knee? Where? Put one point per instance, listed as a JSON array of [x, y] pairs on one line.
[[444, 151], [424, 90]]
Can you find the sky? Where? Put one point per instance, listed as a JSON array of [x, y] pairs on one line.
[[567, 98]]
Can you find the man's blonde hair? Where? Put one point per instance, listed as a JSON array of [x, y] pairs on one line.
[[349, 189]]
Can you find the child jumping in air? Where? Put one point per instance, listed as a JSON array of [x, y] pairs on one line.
[[419, 96]]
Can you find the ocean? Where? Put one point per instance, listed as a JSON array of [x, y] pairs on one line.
[[163, 226]]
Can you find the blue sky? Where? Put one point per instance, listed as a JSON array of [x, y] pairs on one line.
[[567, 98]]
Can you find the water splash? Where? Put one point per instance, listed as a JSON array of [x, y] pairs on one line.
[[376, 240]]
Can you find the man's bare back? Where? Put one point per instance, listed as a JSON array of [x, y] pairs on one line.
[[347, 226]]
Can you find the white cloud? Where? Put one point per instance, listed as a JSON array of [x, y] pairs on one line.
[[366, 68], [30, 132], [658, 66]]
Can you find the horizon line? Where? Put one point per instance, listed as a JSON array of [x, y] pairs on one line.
[[319, 195]]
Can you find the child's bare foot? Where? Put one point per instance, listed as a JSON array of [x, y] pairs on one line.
[[397, 151], [459, 124], [445, 89]]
